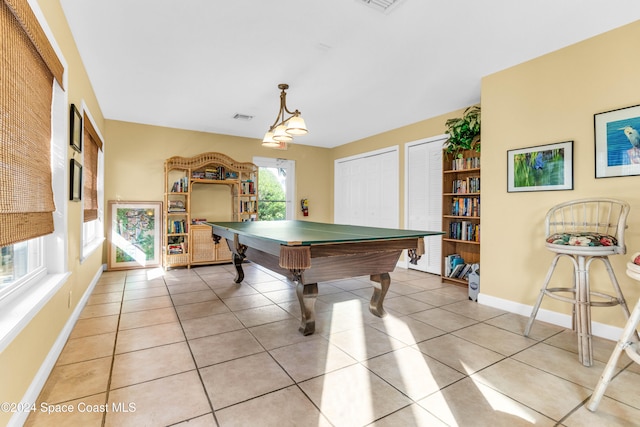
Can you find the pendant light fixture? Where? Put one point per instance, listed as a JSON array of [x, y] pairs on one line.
[[284, 128]]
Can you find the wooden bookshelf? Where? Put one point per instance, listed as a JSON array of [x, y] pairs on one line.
[[186, 244], [461, 211]]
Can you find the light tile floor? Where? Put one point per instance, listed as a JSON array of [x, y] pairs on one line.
[[189, 347]]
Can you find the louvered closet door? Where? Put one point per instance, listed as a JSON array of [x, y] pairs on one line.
[[424, 197], [366, 189]]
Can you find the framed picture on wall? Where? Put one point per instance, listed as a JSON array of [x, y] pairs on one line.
[[75, 181], [133, 234], [617, 138], [75, 128], [540, 168]]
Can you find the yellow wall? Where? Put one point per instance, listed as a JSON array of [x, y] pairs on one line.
[[135, 155], [20, 361], [546, 100]]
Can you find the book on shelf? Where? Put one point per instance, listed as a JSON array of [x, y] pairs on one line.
[[470, 184], [248, 187], [464, 230], [181, 185], [456, 270], [450, 262], [177, 227], [465, 163]]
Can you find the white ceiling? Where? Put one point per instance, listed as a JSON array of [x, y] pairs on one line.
[[353, 71]]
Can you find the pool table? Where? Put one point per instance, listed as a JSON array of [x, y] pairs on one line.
[[312, 252]]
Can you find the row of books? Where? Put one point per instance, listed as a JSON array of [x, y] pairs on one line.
[[248, 206], [181, 185], [465, 206], [464, 230], [467, 163], [178, 226], [470, 184], [456, 267], [214, 173], [248, 187], [177, 248]]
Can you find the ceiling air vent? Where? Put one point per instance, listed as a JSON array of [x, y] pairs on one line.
[[245, 117], [384, 6]]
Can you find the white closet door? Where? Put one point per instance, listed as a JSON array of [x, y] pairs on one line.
[[366, 189], [423, 196]]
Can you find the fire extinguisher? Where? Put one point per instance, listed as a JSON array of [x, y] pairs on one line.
[[304, 205]]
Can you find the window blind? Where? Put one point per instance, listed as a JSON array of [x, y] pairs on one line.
[[92, 144], [28, 65]]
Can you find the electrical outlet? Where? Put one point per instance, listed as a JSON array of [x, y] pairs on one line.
[[69, 302]]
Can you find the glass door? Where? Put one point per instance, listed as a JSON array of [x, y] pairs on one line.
[[276, 178]]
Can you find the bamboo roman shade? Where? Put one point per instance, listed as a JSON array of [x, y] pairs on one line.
[[28, 65], [92, 144]]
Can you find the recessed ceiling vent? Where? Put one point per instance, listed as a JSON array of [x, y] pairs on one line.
[[244, 117], [384, 6]]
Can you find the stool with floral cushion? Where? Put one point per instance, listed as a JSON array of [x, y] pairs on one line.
[[584, 230], [628, 341]]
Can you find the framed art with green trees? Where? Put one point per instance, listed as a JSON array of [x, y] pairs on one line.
[[133, 234], [540, 168]]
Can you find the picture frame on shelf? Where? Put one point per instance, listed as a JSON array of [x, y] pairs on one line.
[[75, 129], [617, 142], [75, 181], [540, 168], [133, 234]]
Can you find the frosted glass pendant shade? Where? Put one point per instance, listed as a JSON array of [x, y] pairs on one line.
[[296, 126]]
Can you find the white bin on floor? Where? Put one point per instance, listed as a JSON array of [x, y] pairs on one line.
[[474, 282]]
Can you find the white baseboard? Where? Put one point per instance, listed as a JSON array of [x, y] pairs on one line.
[[564, 320], [32, 393]]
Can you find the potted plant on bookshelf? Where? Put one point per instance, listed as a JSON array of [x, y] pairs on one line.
[[464, 132]]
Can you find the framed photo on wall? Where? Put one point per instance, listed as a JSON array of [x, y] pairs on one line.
[[617, 139], [75, 181], [75, 129], [540, 168], [133, 234]]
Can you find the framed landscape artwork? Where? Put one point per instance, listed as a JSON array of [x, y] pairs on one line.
[[617, 140], [133, 234], [541, 168]]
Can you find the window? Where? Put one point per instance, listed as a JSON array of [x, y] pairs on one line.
[[93, 187], [276, 178], [34, 252]]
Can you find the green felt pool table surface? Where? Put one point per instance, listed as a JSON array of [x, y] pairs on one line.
[[293, 233]]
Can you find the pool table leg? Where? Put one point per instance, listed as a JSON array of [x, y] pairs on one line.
[[380, 287], [237, 261], [307, 297]]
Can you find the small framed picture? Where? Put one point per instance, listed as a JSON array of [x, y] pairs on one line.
[[75, 127], [617, 139], [540, 168], [133, 234], [75, 181]]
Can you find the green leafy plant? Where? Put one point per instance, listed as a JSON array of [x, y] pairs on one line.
[[464, 132]]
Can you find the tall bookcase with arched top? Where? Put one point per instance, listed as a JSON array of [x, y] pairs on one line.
[[187, 243]]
